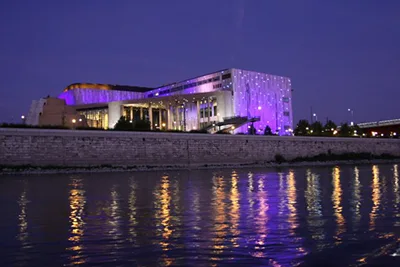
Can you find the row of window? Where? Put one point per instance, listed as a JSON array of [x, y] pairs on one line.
[[189, 85], [211, 111], [215, 86]]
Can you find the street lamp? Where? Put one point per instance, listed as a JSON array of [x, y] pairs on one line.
[[352, 116], [23, 119], [315, 115]]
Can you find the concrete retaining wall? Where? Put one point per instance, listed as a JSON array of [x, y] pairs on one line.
[[83, 148]]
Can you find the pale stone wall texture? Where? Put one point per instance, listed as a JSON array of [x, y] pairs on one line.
[[94, 148]]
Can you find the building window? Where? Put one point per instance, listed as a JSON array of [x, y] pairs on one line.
[[217, 85], [215, 110], [285, 99], [215, 79], [286, 113], [226, 76]]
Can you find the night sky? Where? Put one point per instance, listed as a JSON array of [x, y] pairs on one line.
[[339, 54]]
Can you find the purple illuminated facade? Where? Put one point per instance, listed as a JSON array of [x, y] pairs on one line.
[[197, 103]]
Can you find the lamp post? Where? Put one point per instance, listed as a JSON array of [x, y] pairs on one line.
[[73, 123], [23, 119], [315, 116], [352, 116]]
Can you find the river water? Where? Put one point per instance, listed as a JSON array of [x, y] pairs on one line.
[[304, 216]]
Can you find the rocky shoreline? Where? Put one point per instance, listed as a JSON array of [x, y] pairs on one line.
[[31, 170]]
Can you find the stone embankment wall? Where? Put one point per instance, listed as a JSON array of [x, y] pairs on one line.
[[94, 148]]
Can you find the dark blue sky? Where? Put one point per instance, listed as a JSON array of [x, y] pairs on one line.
[[340, 54]]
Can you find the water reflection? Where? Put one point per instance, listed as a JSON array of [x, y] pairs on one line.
[[132, 211], [235, 209], [22, 218], [356, 198], [396, 184], [219, 216], [291, 200], [314, 207], [163, 218], [337, 204], [243, 218], [261, 220], [77, 200], [376, 197]]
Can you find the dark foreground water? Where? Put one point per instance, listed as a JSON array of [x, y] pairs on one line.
[[322, 216]]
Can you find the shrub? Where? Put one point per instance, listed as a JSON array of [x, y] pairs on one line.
[[279, 158]]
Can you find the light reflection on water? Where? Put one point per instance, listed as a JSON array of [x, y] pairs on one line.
[[341, 215]]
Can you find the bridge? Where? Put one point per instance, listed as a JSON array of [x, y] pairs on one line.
[[382, 128]]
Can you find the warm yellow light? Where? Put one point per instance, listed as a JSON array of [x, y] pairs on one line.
[[233, 127], [73, 121], [163, 125], [334, 132]]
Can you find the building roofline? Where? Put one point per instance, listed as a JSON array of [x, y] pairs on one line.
[[101, 86]]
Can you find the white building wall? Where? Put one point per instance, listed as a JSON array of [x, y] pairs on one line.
[[263, 95], [114, 113], [34, 111]]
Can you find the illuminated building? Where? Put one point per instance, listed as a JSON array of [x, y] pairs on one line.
[[228, 100]]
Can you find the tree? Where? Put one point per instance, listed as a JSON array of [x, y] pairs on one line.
[[345, 130], [252, 129], [330, 127], [316, 128], [268, 131], [302, 128], [123, 124], [141, 125], [356, 130]]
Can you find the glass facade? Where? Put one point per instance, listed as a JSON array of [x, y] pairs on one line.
[[97, 118]]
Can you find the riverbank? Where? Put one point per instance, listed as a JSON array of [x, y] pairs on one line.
[[66, 150], [32, 170]]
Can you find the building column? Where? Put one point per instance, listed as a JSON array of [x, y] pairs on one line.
[[141, 113], [208, 110], [169, 119], [176, 119], [160, 117], [131, 115], [151, 116], [198, 114]]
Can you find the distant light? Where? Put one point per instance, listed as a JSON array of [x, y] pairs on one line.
[[307, 128], [394, 133], [311, 131], [218, 114], [334, 132], [130, 121], [157, 94], [174, 122], [155, 124], [22, 117], [73, 121], [80, 119], [355, 131], [314, 115], [348, 109], [332, 129], [194, 127], [233, 127], [381, 134], [259, 107], [163, 125]]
